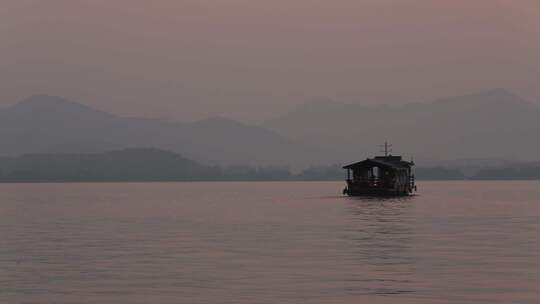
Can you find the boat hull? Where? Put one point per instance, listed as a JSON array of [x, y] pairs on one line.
[[375, 191]]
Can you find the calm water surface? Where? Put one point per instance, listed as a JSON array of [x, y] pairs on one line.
[[455, 242]]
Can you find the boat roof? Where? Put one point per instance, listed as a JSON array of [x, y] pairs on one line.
[[392, 162]]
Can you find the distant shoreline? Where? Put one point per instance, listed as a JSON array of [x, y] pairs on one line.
[[241, 181], [155, 165]]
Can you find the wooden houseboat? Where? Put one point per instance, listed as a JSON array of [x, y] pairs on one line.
[[380, 176]]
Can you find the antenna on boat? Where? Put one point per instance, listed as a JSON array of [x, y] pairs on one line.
[[386, 148]]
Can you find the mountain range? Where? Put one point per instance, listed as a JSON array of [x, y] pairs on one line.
[[495, 124], [48, 124], [492, 126]]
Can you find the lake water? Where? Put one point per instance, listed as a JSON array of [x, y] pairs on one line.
[[290, 242]]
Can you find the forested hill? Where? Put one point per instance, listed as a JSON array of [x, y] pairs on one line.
[[150, 164], [127, 165], [123, 165]]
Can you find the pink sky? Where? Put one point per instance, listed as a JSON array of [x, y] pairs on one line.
[[251, 59]]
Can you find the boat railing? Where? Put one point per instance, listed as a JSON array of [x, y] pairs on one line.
[[371, 181]]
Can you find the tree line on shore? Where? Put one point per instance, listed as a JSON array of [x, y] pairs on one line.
[[148, 164]]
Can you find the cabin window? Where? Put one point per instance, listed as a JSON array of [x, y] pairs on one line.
[[376, 172]]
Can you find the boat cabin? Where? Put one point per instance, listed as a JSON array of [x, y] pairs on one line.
[[380, 176]]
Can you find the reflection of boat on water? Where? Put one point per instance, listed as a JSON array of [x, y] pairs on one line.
[[381, 247], [386, 175]]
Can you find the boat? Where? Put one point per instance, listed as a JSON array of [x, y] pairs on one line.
[[386, 175]]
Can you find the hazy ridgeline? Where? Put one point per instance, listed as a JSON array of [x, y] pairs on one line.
[[46, 124], [495, 124], [47, 138]]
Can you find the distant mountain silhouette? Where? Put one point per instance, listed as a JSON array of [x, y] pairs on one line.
[[493, 124], [48, 124]]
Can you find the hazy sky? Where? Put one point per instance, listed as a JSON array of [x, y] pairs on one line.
[[251, 59]]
